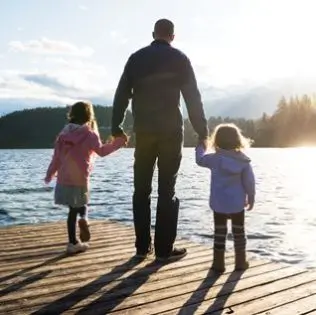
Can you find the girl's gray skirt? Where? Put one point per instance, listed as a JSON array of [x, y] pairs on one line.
[[72, 196]]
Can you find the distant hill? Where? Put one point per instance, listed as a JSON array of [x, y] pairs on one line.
[[292, 123], [247, 101], [38, 127], [251, 101]]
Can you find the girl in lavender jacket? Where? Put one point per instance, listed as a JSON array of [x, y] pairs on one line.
[[72, 162], [232, 189]]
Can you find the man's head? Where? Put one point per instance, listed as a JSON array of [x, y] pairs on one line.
[[164, 30]]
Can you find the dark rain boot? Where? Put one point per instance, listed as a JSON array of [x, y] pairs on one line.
[[241, 262], [218, 260]]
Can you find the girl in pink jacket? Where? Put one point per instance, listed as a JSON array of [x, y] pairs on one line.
[[72, 162]]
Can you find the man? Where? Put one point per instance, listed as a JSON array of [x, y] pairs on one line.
[[153, 78]]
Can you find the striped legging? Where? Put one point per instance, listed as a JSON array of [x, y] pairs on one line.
[[238, 230]]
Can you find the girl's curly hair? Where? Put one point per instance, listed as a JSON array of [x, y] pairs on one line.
[[229, 137]]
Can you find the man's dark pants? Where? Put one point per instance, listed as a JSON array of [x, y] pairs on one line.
[[166, 149]]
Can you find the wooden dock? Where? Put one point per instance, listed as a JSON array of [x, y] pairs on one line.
[[37, 278]]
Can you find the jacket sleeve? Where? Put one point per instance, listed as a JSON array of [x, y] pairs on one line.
[[121, 99], [53, 166], [192, 98], [107, 148], [203, 159], [248, 180]]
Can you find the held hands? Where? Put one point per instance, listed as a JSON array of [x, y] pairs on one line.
[[204, 144], [124, 138]]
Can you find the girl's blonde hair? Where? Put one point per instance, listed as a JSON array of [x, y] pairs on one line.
[[83, 113], [229, 137]]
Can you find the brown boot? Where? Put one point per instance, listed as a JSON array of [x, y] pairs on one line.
[[218, 260], [241, 262]]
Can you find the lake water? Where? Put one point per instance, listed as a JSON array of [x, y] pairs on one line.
[[282, 226]]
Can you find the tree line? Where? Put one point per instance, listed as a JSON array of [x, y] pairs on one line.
[[293, 123]]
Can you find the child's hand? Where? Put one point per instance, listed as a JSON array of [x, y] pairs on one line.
[[204, 144], [250, 203]]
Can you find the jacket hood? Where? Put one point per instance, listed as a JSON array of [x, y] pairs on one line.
[[233, 162], [73, 134]]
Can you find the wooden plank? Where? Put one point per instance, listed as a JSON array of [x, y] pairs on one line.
[[80, 271], [278, 299], [57, 234], [230, 296], [49, 242], [154, 282], [60, 231], [36, 277], [196, 254], [64, 261], [306, 305], [104, 283], [194, 263], [197, 299], [97, 235], [52, 249], [57, 248], [42, 286], [15, 229], [39, 227]]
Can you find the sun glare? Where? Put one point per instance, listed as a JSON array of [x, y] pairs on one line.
[[306, 146]]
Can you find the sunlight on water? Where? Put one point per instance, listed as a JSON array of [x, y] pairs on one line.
[[282, 226]]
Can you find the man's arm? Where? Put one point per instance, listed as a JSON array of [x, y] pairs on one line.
[[121, 99], [192, 98]]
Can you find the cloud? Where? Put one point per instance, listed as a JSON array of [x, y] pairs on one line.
[[16, 93], [27, 90], [20, 29], [83, 7], [80, 75], [63, 81], [47, 81], [48, 46], [64, 84], [20, 90]]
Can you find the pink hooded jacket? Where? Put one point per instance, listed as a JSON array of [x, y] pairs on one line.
[[72, 159]]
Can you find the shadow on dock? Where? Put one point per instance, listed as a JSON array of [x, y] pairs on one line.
[[29, 280], [198, 296], [112, 297]]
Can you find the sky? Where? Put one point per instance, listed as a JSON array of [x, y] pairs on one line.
[[56, 52]]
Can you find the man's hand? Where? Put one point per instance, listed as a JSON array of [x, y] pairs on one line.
[[122, 135]]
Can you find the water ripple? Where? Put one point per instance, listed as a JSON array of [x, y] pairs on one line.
[[281, 227]]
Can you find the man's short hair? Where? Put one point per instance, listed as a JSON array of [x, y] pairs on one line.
[[164, 27]]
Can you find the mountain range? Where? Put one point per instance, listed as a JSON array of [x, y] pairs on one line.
[[234, 101]]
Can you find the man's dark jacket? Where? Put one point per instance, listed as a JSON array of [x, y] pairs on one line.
[[153, 78]]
